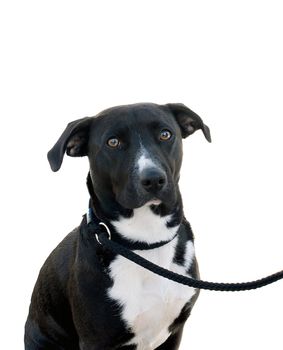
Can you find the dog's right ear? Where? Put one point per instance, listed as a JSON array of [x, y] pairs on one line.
[[73, 141]]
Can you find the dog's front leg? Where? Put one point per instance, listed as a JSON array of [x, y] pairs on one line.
[[173, 342]]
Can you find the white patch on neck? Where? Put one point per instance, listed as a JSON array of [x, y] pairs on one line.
[[150, 303], [145, 226]]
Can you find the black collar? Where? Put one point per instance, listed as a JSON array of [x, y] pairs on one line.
[[96, 225]]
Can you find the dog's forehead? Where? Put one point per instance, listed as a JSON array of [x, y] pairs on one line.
[[142, 114]]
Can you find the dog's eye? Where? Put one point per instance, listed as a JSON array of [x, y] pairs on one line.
[[113, 142], [165, 135]]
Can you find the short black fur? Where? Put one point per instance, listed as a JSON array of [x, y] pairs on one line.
[[70, 308]]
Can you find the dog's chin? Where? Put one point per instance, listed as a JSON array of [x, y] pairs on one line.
[[154, 202], [132, 202]]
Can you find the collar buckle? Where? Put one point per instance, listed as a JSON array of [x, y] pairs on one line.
[[107, 230]]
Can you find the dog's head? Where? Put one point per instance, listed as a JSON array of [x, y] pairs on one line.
[[134, 151]]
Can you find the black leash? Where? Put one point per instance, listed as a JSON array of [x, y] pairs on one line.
[[103, 237], [123, 247], [224, 287]]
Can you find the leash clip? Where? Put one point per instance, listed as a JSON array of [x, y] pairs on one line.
[[107, 231]]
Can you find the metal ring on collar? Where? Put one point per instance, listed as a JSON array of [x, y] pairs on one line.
[[107, 230]]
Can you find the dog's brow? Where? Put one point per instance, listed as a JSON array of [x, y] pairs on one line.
[[158, 124], [118, 130]]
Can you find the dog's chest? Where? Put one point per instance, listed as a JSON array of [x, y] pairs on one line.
[[150, 303]]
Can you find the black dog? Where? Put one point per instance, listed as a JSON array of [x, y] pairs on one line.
[[89, 298]]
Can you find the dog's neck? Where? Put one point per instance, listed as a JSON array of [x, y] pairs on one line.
[[140, 220]]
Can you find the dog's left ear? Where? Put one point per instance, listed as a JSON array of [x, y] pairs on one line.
[[73, 141], [188, 120]]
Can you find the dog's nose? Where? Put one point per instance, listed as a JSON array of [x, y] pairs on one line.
[[153, 180]]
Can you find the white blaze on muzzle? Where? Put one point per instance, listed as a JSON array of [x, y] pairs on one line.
[[144, 161]]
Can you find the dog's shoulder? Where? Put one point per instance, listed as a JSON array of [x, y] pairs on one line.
[[55, 272]]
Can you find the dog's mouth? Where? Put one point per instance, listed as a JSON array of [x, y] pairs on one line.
[[131, 200], [154, 201]]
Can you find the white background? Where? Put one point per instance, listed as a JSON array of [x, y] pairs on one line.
[[62, 60]]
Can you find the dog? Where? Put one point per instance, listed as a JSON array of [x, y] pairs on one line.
[[89, 298]]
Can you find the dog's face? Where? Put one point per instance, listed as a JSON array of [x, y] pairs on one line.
[[134, 151]]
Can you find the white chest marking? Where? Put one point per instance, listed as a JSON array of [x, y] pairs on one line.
[[149, 302]]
